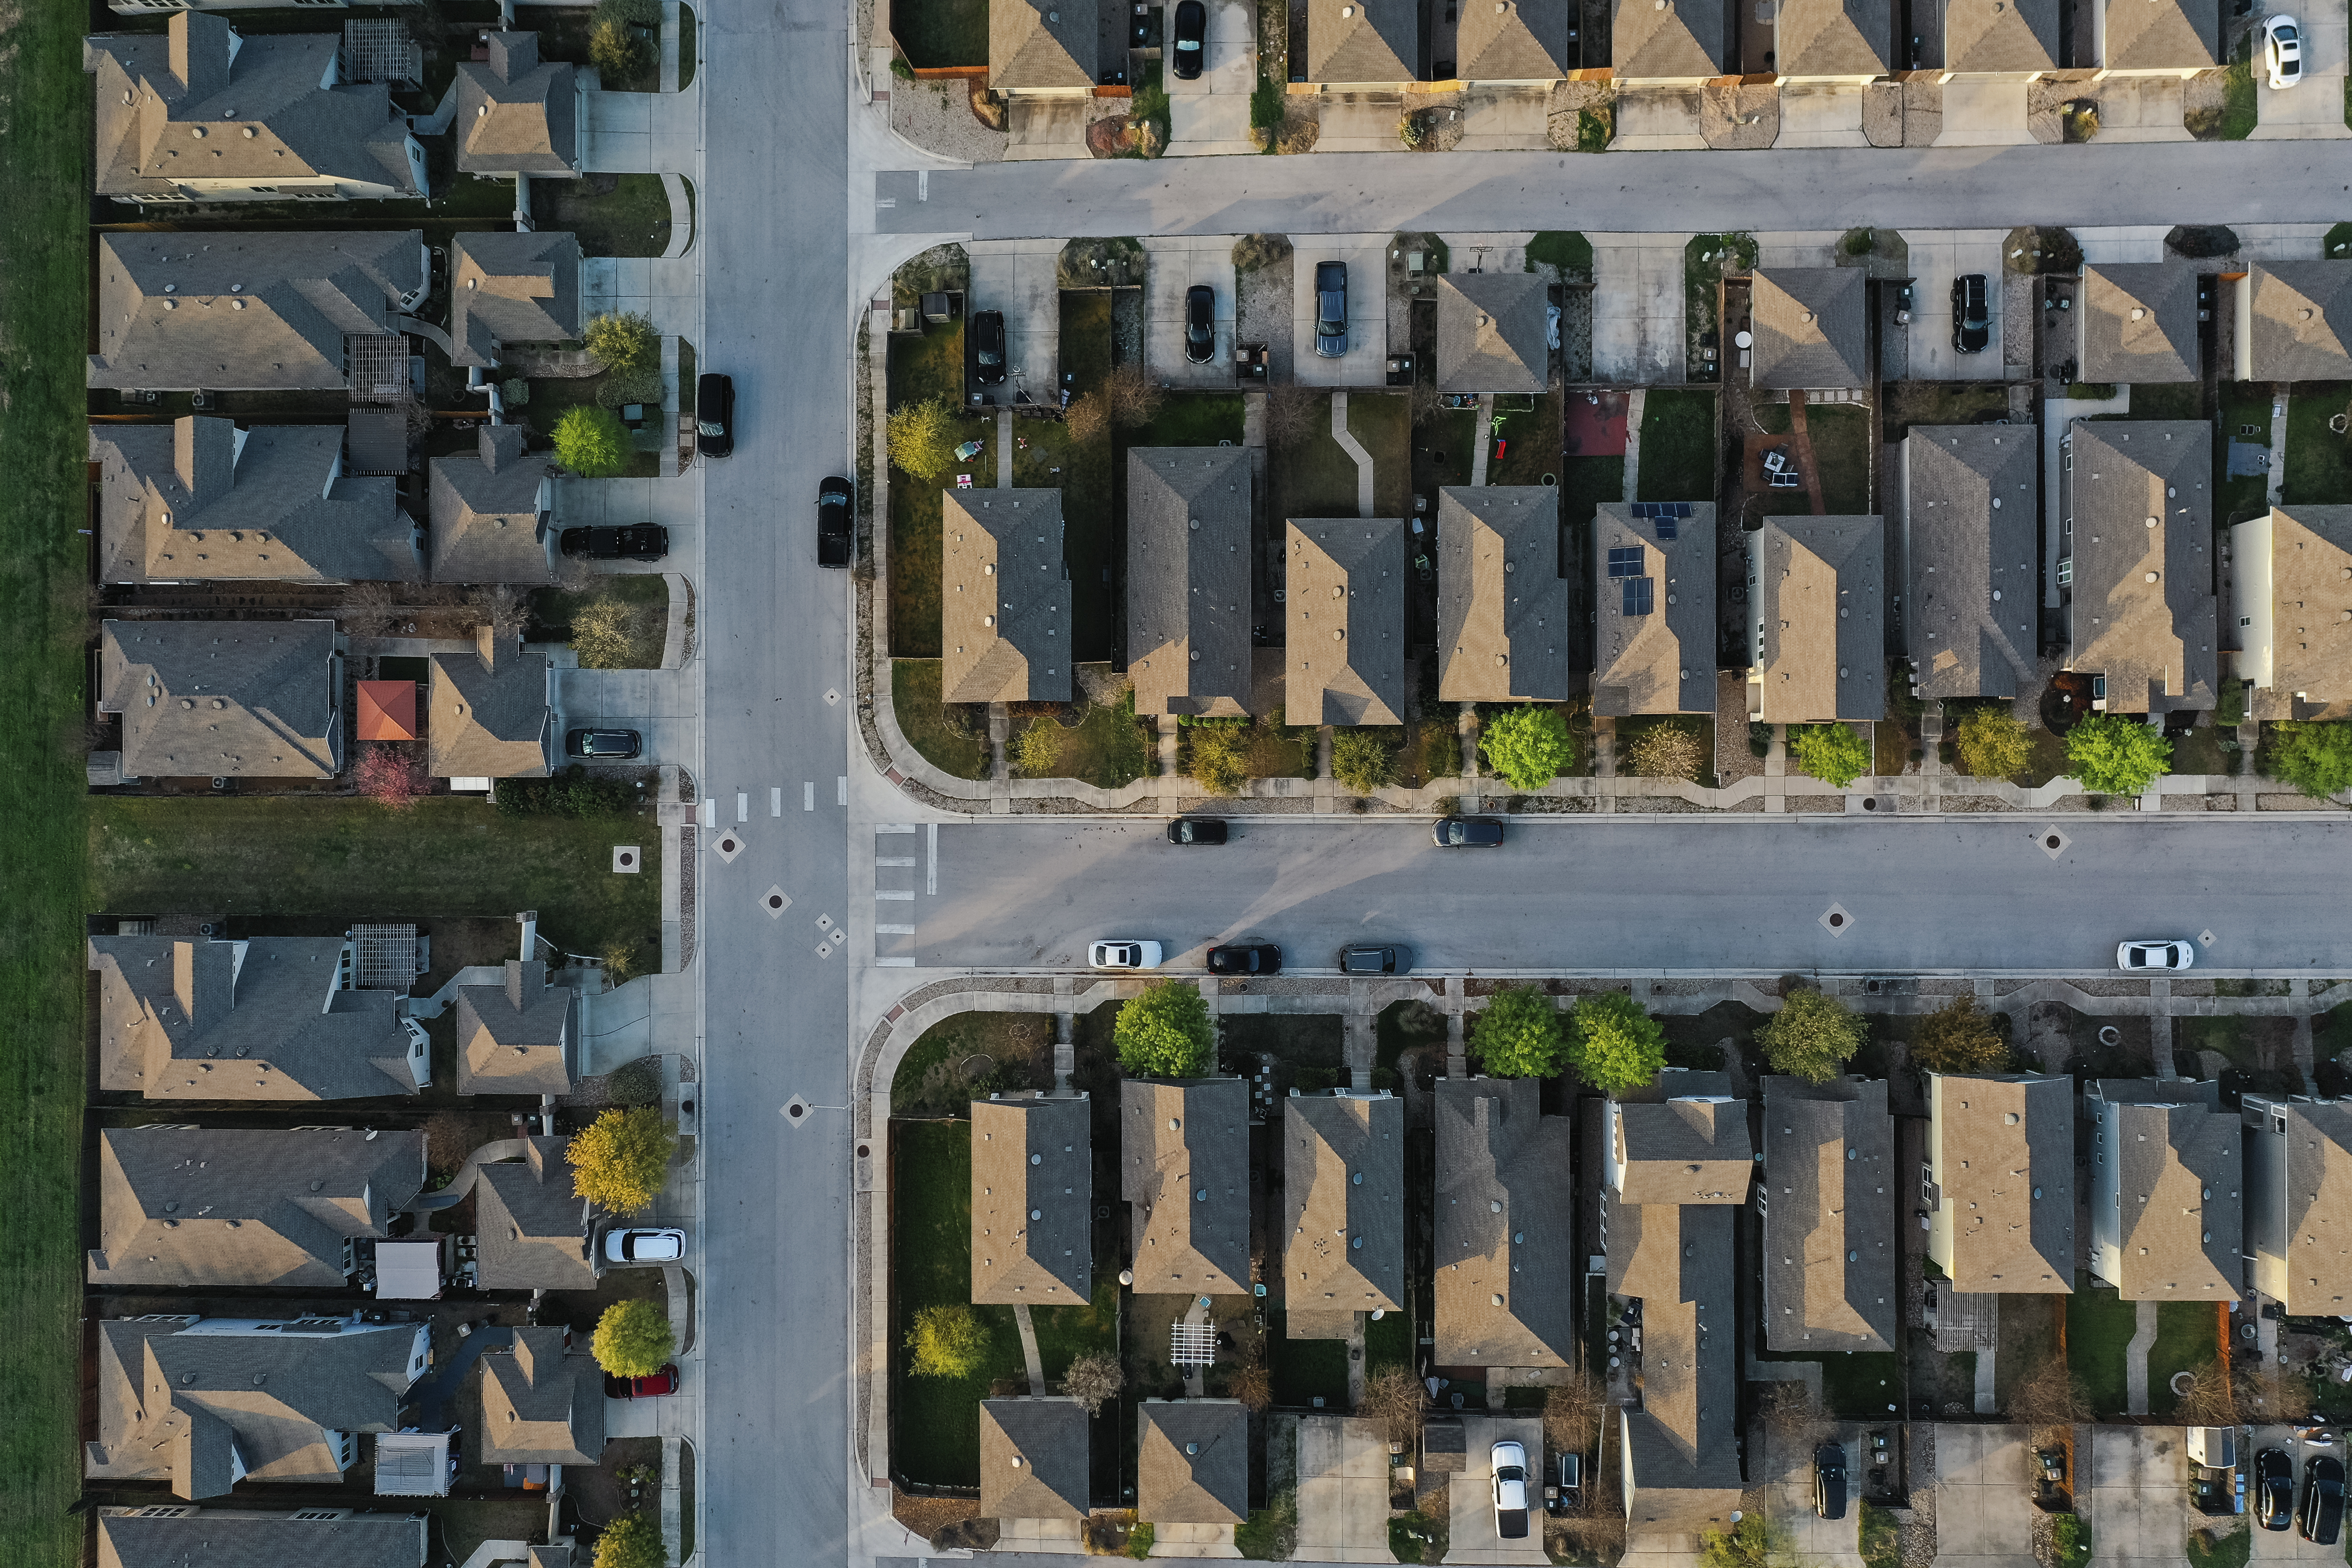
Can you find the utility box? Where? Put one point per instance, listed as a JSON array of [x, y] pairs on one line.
[[936, 309], [2215, 1447]]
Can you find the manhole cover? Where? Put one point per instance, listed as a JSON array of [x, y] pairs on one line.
[[628, 859], [1836, 920], [729, 845], [2208, 938], [2050, 841], [797, 1110], [831, 697], [775, 901]]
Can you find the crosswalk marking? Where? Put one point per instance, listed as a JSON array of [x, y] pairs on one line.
[[808, 797], [776, 800], [931, 858], [894, 930], [742, 806], [894, 859]]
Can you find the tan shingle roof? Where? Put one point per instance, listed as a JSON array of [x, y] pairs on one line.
[[1502, 1231], [1345, 659], [1037, 44], [1664, 661], [516, 113], [1031, 1201], [518, 1037], [1808, 326], [1513, 40], [1342, 1230], [486, 722], [1034, 1460], [2001, 1155], [2299, 1202], [224, 698], [2141, 501], [1829, 1223], [2166, 1177], [2301, 320], [2159, 34], [1184, 1173], [1818, 604], [1683, 40], [1832, 37], [2309, 593], [1193, 1462], [542, 1403], [1006, 591], [519, 288], [1970, 531], [2137, 321], [1362, 41], [1685, 1475], [1188, 579], [1684, 1150], [531, 1223], [2000, 34], [1491, 328], [1503, 626]]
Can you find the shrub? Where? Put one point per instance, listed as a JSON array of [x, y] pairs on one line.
[[572, 792], [635, 1083], [607, 633], [947, 1340], [1252, 1386], [2317, 758], [900, 69], [514, 391], [1666, 751], [1521, 1034], [1166, 1032], [632, 1339], [1613, 1043], [1813, 1037], [2072, 1538], [923, 438], [1832, 753], [1754, 1543], [1529, 745], [618, 1163], [1362, 761], [2113, 753], [1991, 742], [1410, 131], [388, 775], [591, 442], [1594, 129], [1088, 419], [632, 1540], [622, 340], [626, 386], [1395, 1398], [1094, 1380], [616, 52], [1219, 757], [620, 961], [1036, 751], [1140, 1539], [2230, 705], [1956, 1037]]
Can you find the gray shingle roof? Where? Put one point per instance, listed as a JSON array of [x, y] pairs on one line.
[[1491, 333], [1374, 41], [490, 509], [247, 309], [2006, 35], [180, 1205], [1808, 320], [2298, 1195], [1345, 661], [515, 288], [1684, 40], [2167, 1171], [1818, 598], [1833, 39], [1184, 1173], [1005, 631], [1034, 1460], [2137, 321], [2298, 317], [1687, 1150], [1343, 1204], [485, 722], [1685, 1476], [531, 1223], [235, 1539], [542, 1404], [1188, 579], [205, 103], [2141, 503], [1664, 661], [201, 500], [1514, 40], [1502, 1230], [1969, 532], [2160, 35], [516, 113], [1031, 1201], [2000, 1150], [224, 698], [518, 1037], [2310, 549], [1503, 627], [1829, 1223], [1193, 1462], [184, 1020], [1042, 44]]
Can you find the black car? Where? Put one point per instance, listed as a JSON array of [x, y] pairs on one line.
[[2273, 1488], [1199, 323], [603, 745], [1971, 325], [1191, 38], [1196, 830], [1467, 832], [2322, 1501], [1829, 1481], [988, 348], [1330, 308], [714, 415], [1372, 959], [639, 541], [1245, 958], [832, 529]]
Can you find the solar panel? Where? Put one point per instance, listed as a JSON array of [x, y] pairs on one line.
[[1625, 561], [1668, 529], [1640, 511], [1638, 591], [1681, 508]]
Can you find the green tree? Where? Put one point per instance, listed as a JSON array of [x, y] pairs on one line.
[[923, 438], [1529, 745], [1219, 757], [1991, 742], [1956, 1037], [1813, 1037], [1613, 1043], [591, 442], [1519, 1034], [2114, 753], [948, 1342], [1037, 749], [1832, 753], [632, 1339], [618, 1163], [1361, 761], [616, 52], [632, 1540], [2315, 758], [1754, 1543], [1166, 1032], [622, 340], [608, 634]]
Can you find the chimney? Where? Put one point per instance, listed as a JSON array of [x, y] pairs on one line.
[[183, 975], [529, 920], [201, 47], [203, 456], [486, 648], [517, 975], [534, 1155]]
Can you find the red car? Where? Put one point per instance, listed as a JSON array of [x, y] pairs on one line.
[[649, 1388]]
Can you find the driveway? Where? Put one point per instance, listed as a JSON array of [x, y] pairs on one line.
[[1938, 257], [1471, 1494], [1637, 308], [1984, 114], [1176, 264], [1210, 114], [1365, 363], [2286, 1545], [1824, 1543], [1984, 1497], [2138, 1498], [2313, 107], [1021, 278], [658, 704], [1343, 1490]]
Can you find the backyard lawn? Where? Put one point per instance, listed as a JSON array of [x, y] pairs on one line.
[[1314, 477], [1383, 424], [2246, 420], [937, 33], [1534, 444], [2318, 460], [2188, 1335], [1584, 484], [1193, 420], [1841, 441], [936, 1420], [946, 743], [1677, 460], [2099, 1326]]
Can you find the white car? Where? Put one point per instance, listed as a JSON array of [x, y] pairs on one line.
[[1124, 955], [640, 1244], [2282, 51], [1509, 1463], [2153, 954]]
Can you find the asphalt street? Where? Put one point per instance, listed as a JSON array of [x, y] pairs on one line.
[[2163, 183], [1566, 895]]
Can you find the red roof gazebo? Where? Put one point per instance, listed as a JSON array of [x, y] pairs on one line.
[[387, 710]]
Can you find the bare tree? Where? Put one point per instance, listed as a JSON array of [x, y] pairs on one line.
[[1253, 1385], [1395, 1398], [2207, 1399], [1134, 397], [2269, 1394], [1094, 1380], [1088, 418], [2049, 1397], [503, 609], [370, 609], [1290, 414], [1573, 1411]]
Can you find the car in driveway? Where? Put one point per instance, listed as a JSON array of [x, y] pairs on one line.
[[644, 1244], [1190, 46], [1466, 833], [1199, 323], [2323, 1499], [1125, 955], [1971, 318], [2273, 1488], [653, 1385], [637, 542], [1330, 308], [1509, 1463], [2282, 51], [1829, 1481], [603, 745], [1197, 830], [988, 348], [2156, 952], [1245, 958], [832, 529], [714, 414], [1373, 958]]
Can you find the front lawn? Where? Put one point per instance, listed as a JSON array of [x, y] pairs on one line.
[[553, 396], [2188, 1335], [1107, 747], [935, 1421], [946, 741], [1566, 249], [2099, 1327], [632, 218], [941, 33], [2318, 460], [644, 594], [1677, 460]]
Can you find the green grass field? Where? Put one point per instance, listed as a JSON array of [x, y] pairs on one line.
[[1677, 461], [937, 33], [1534, 448], [1313, 476], [1385, 426], [2318, 460], [2099, 1326], [2188, 1335], [915, 700], [936, 1420]]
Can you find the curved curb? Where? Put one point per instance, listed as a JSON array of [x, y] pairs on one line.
[[681, 216]]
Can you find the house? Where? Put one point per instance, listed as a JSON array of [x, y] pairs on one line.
[[2137, 574], [1504, 627], [1682, 1141], [1809, 322], [200, 500], [2153, 37], [1653, 608], [162, 1536], [1032, 1201], [2298, 1213], [1493, 331], [1193, 1463], [1364, 43], [542, 1401], [1348, 666], [1516, 41], [1034, 1467], [517, 114], [2012, 38], [531, 1223], [1970, 542], [1681, 43], [490, 509], [255, 311], [518, 1037], [1816, 589], [205, 1403], [1188, 579], [1044, 46], [2137, 321], [224, 698], [2293, 319], [2289, 580], [1503, 1252], [185, 1020], [1829, 1223], [2000, 1183], [519, 287], [1006, 622], [2165, 1172], [490, 714], [210, 1207], [1185, 1174], [1342, 1210], [204, 114]]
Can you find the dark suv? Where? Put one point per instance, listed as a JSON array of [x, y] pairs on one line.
[[714, 415], [1971, 321], [2322, 1501], [1375, 960], [988, 348], [1330, 308]]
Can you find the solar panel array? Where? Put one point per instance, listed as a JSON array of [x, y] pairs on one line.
[[1625, 561], [1663, 515], [1638, 591]]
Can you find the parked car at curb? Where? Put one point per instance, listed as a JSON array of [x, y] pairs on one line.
[[1372, 959], [988, 348], [653, 1385], [834, 536], [1199, 323], [1190, 45], [1829, 1481], [2156, 953], [2273, 1488], [714, 415], [1466, 833], [1330, 309], [1509, 1463], [1125, 955], [644, 1244], [1196, 830], [603, 745], [637, 542], [2282, 52], [1245, 958]]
